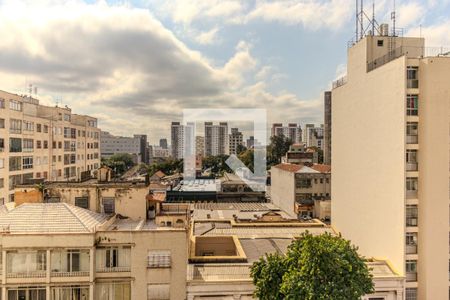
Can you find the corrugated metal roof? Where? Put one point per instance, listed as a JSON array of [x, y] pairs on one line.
[[50, 218], [265, 232]]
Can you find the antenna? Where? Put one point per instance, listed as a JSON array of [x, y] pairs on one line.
[[373, 17], [393, 18], [362, 19]]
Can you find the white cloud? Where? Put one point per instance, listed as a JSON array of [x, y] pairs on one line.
[[409, 13], [122, 65], [208, 37], [435, 35]]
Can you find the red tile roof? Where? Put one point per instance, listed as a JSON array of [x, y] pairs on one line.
[[289, 167], [321, 168]]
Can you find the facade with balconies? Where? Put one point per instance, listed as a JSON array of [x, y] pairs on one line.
[[56, 251]]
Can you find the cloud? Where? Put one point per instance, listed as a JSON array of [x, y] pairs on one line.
[[409, 13], [208, 37], [435, 35], [123, 66]]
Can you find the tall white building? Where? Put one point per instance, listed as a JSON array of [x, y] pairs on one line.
[[236, 139], [42, 142], [293, 131], [216, 139], [313, 136], [390, 149], [182, 139]]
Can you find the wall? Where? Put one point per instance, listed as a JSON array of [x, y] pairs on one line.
[[282, 190]]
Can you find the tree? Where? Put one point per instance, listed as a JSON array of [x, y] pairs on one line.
[[216, 164], [120, 162], [168, 167], [322, 267], [240, 148], [278, 147], [247, 158]]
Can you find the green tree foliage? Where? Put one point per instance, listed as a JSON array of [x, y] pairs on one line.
[[277, 148], [247, 158], [240, 149], [323, 267], [216, 164], [168, 167], [120, 162]]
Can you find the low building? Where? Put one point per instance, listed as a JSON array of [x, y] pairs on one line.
[[135, 146], [299, 154], [295, 188], [226, 239], [62, 252]]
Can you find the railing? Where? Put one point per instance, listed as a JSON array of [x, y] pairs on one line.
[[412, 166], [33, 274], [411, 249], [70, 274], [113, 269], [411, 276], [412, 139], [394, 54], [340, 82], [411, 194], [412, 83]]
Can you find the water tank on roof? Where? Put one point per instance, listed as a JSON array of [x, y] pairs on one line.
[[384, 29]]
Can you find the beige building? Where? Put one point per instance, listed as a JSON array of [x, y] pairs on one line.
[[42, 142], [236, 139], [226, 238], [390, 175], [56, 251], [295, 188]]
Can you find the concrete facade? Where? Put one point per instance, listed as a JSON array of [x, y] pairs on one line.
[[42, 142], [327, 128], [394, 185]]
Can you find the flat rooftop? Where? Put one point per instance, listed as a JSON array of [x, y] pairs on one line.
[[198, 185]]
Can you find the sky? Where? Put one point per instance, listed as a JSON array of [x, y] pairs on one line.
[[135, 65]]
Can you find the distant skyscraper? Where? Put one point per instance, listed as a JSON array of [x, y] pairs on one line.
[[236, 139], [182, 139], [200, 145], [327, 129], [216, 139], [143, 147], [163, 143], [250, 142], [293, 131]]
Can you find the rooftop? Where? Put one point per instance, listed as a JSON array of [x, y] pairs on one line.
[[49, 218], [298, 168]]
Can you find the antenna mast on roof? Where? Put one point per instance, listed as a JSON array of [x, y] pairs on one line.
[[393, 18], [361, 30]]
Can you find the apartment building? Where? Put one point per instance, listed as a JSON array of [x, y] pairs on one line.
[[200, 145], [299, 154], [226, 239], [42, 142], [112, 144], [391, 174], [295, 188], [313, 136], [163, 143], [57, 251], [216, 139], [236, 139], [327, 128], [182, 139], [293, 131]]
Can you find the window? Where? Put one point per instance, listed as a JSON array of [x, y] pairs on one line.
[[66, 132], [38, 144], [70, 293], [2, 183], [67, 117], [27, 162], [15, 163], [411, 184], [2, 144], [411, 160], [28, 126], [303, 183], [113, 290], [15, 126], [108, 205], [412, 105], [158, 259], [2, 123], [45, 144], [411, 243], [2, 103], [82, 202], [411, 270], [113, 259], [73, 133], [158, 292], [411, 215], [412, 75], [38, 127], [411, 294], [380, 43], [26, 293], [412, 130], [15, 105], [28, 145], [32, 261], [45, 128]]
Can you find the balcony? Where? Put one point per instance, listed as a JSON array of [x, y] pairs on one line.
[[411, 249], [70, 274], [113, 269], [411, 194], [412, 166], [411, 277], [31, 274], [411, 222], [413, 84], [412, 139]]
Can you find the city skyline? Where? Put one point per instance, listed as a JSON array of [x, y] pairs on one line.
[[241, 53]]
